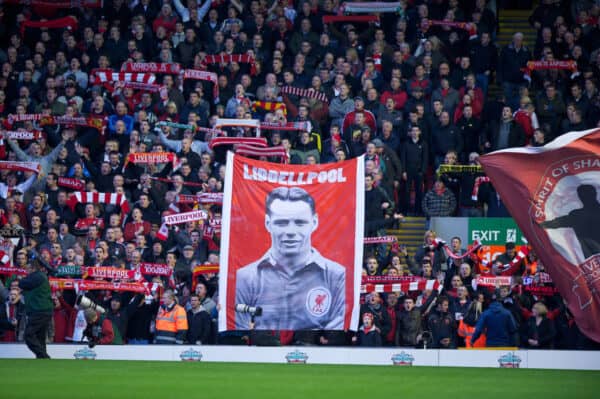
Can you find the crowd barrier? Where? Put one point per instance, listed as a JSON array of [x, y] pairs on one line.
[[505, 358]]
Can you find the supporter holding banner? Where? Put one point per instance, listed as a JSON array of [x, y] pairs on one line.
[[289, 248], [560, 182]]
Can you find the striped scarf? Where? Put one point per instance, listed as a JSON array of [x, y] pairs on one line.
[[269, 106], [244, 123], [308, 93], [253, 141], [229, 58], [249, 150], [88, 197], [327, 19], [203, 75], [403, 286], [100, 76]]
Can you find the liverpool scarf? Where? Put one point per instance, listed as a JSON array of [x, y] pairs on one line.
[[269, 106], [228, 58], [546, 65], [150, 87], [96, 123], [88, 197], [492, 281], [65, 22], [21, 166], [185, 217], [71, 183], [152, 158], [203, 75], [22, 135], [209, 132], [370, 7], [308, 93], [90, 285], [153, 67]]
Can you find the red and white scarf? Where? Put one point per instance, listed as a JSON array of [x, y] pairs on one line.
[[328, 19], [468, 26], [185, 217], [254, 141], [152, 67], [91, 285], [99, 76], [308, 93], [11, 271], [202, 198], [492, 281], [21, 166], [203, 75], [88, 197], [478, 182], [12, 118], [22, 135], [250, 150], [229, 58], [71, 183], [404, 286]]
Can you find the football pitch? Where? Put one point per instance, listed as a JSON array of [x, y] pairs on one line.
[[136, 379]]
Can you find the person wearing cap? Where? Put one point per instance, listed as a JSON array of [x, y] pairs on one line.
[[369, 333]]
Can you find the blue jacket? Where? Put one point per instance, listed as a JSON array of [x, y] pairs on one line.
[[498, 325]]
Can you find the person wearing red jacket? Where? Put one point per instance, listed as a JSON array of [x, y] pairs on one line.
[[400, 97], [63, 317]]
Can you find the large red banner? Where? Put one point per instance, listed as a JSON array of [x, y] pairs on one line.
[[291, 244], [553, 193]]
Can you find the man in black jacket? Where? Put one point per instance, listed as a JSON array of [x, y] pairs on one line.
[[414, 158], [199, 322], [38, 307], [513, 58]]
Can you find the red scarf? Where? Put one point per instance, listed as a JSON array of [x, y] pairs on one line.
[[277, 151], [65, 22], [96, 123], [71, 183], [58, 4], [152, 158]]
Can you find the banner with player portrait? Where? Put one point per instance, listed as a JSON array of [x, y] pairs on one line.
[[291, 245], [553, 193]]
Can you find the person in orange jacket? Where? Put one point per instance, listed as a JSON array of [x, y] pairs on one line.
[[171, 321]]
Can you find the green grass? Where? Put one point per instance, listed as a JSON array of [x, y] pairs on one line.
[[66, 379]]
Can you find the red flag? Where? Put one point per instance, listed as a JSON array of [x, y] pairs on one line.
[[553, 193]]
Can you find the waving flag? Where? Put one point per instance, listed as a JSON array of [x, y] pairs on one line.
[[553, 193]]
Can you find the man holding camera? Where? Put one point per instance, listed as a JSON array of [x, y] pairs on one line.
[[100, 329], [38, 307], [296, 287]]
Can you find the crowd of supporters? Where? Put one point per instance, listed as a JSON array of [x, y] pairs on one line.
[[410, 89]]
